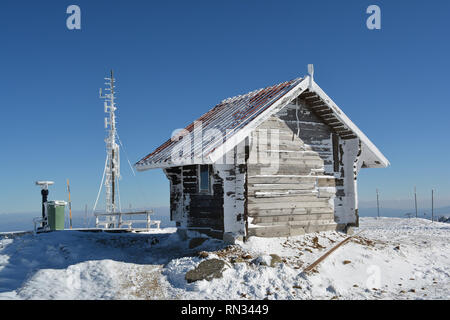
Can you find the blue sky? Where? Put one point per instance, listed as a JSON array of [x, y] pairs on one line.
[[174, 60]]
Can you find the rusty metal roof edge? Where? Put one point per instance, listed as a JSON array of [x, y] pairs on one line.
[[144, 164], [245, 131]]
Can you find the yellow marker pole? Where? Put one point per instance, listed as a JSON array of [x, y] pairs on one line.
[[70, 204]]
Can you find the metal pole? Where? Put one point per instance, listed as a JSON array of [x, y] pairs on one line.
[[70, 204], [432, 205], [44, 193], [415, 199], [378, 204]]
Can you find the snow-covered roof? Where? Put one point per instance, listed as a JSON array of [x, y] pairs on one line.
[[232, 120]]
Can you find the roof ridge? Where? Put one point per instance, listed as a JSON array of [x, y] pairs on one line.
[[240, 96]]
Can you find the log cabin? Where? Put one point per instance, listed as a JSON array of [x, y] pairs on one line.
[[275, 162]]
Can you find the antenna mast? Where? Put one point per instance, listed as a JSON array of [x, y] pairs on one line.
[[415, 199], [378, 204], [112, 165]]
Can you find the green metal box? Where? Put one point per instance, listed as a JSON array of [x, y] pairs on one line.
[[55, 211]]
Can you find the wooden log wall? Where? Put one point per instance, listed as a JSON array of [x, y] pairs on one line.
[[191, 208], [299, 196]]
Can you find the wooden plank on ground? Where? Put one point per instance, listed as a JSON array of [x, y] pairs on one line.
[[323, 257]]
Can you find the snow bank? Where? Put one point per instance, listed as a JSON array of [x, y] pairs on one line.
[[391, 259]]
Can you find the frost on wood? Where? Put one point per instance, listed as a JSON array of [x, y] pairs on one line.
[[299, 157], [234, 198]]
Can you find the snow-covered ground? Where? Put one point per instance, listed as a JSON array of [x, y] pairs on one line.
[[392, 258]]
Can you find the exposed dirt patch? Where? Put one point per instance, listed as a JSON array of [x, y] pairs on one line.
[[366, 242], [316, 244], [233, 253], [143, 282]]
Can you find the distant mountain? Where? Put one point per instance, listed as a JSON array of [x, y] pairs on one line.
[[24, 221], [389, 212]]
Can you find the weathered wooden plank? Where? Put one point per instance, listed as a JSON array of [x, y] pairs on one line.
[[348, 137], [292, 112], [302, 223], [323, 112], [290, 179], [281, 169], [265, 160], [258, 194], [317, 103], [286, 231], [313, 203], [323, 257], [293, 157], [291, 198], [286, 218], [281, 186], [276, 231], [319, 228], [326, 182], [308, 95], [298, 154], [289, 211]]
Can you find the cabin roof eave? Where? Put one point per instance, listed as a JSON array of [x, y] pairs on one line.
[[374, 157]]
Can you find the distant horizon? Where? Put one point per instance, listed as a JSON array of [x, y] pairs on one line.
[[10, 222], [167, 208], [404, 203]]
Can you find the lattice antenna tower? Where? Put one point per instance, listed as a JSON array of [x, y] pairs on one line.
[[112, 164]]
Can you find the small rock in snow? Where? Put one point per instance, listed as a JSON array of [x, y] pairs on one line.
[[262, 260], [202, 254], [206, 270], [237, 260], [275, 260]]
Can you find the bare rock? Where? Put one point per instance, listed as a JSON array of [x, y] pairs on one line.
[[275, 260], [206, 270], [268, 260]]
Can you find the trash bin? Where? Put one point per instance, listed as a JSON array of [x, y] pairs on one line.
[[55, 211]]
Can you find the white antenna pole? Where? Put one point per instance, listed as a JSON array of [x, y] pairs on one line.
[[378, 204], [112, 166], [311, 74], [415, 199], [432, 205]]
